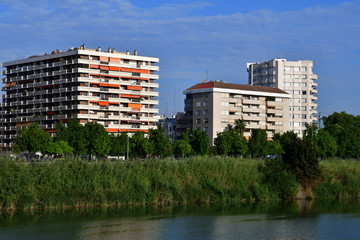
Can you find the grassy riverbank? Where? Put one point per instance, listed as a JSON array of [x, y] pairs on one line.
[[70, 183]]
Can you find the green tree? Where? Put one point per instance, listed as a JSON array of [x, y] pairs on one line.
[[231, 143], [199, 142], [139, 145], [345, 128], [274, 148], [300, 155], [118, 144], [182, 148], [240, 126], [258, 144], [326, 144], [33, 139], [73, 134], [159, 144], [97, 139]]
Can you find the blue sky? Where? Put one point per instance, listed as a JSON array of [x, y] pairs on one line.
[[192, 38]]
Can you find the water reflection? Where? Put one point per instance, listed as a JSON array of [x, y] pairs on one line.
[[265, 220]]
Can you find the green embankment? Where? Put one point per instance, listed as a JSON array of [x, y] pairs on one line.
[[70, 183]]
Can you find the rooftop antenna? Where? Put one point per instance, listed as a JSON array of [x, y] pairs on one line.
[[166, 111], [174, 100]]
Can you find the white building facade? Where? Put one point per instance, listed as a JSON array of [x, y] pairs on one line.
[[298, 80]]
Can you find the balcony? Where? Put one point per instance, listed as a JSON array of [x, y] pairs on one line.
[[252, 101]]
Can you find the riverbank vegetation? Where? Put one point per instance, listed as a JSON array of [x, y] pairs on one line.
[[76, 183]]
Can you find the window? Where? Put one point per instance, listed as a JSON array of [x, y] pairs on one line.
[[198, 104], [296, 92], [225, 112], [296, 100], [198, 120], [287, 69], [296, 116], [278, 123], [206, 120], [303, 116], [206, 129], [303, 124], [287, 84], [198, 112], [225, 95], [225, 104], [296, 76], [303, 100], [224, 120], [278, 99], [296, 124], [304, 69], [303, 92], [303, 108], [206, 112], [206, 103], [296, 69], [304, 76], [296, 108], [287, 91], [303, 85], [296, 84], [287, 76]]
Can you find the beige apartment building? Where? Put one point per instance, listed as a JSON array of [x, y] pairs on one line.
[[214, 106], [298, 80], [114, 89]]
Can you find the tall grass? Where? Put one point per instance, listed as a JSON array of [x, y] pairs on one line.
[[75, 183], [340, 179]]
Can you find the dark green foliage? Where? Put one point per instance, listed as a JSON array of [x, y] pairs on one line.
[[258, 144], [159, 144], [279, 178], [139, 145], [33, 139], [198, 140], [300, 155], [326, 144], [231, 143], [274, 148], [240, 126], [118, 144], [181, 148], [97, 139], [345, 128], [73, 134]]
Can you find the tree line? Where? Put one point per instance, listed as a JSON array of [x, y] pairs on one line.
[[340, 137]]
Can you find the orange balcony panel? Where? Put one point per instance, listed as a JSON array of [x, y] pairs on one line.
[[94, 66], [103, 103], [104, 59], [103, 75], [65, 120], [134, 105], [108, 85], [134, 70], [104, 67], [129, 96], [50, 113], [115, 60], [114, 103], [134, 88], [114, 68], [112, 130]]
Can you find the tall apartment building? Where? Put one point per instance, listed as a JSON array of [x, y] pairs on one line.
[[214, 106], [111, 88], [295, 78]]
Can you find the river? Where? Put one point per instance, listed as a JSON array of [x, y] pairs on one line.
[[266, 220]]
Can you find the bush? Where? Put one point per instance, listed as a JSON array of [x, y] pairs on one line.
[[279, 178]]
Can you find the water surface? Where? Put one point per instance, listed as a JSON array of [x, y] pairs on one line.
[[284, 220]]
